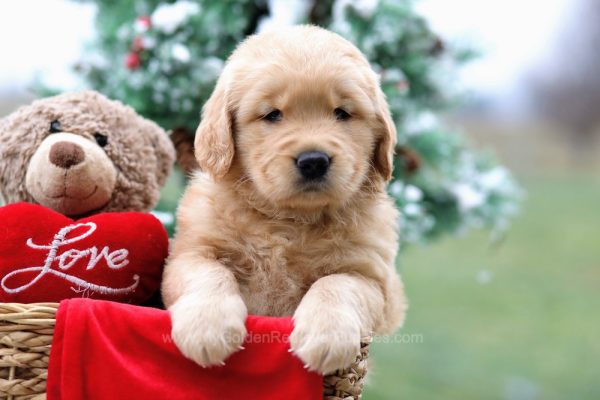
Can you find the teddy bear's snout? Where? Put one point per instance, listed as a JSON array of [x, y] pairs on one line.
[[66, 154]]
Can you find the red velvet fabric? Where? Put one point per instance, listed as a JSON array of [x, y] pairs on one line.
[[45, 256], [105, 350]]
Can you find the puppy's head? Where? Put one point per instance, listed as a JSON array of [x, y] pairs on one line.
[[298, 114]]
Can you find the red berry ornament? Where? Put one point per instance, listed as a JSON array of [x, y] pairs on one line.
[[144, 21], [133, 61], [138, 44]]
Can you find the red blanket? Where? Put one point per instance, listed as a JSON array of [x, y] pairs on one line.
[[105, 350]]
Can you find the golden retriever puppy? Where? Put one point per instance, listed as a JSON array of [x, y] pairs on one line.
[[290, 215]]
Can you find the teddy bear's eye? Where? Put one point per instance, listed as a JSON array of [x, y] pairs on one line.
[[55, 126], [101, 139]]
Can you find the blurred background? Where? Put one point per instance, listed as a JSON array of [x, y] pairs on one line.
[[497, 105]]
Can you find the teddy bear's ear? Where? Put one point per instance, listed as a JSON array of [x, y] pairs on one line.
[[2, 133], [14, 153], [214, 147], [165, 154]]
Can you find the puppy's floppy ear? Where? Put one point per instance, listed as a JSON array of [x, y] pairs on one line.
[[214, 147], [386, 139]]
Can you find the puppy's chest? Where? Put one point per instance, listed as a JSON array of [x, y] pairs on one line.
[[274, 267]]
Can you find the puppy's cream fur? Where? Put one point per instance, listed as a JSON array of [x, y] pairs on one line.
[[253, 239]]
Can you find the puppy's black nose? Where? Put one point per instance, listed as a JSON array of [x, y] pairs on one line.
[[313, 164]]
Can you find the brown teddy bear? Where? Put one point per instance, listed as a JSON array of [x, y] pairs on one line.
[[80, 172], [82, 153]]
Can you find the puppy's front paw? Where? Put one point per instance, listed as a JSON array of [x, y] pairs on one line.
[[208, 331], [325, 341]]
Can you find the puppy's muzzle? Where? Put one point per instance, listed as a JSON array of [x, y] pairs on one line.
[[313, 165]]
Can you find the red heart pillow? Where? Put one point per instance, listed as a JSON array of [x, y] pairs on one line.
[[45, 256]]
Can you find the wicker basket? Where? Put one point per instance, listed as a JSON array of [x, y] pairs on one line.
[[26, 336]]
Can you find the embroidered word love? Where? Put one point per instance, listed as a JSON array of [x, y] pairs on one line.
[[115, 260]]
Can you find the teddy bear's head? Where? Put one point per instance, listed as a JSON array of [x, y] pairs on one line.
[[81, 153]]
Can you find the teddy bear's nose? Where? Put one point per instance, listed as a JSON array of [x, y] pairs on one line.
[[66, 154]]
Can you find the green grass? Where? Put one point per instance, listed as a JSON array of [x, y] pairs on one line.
[[531, 332]]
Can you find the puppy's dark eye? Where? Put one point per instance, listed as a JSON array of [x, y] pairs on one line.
[[55, 126], [101, 139], [341, 114], [273, 116]]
